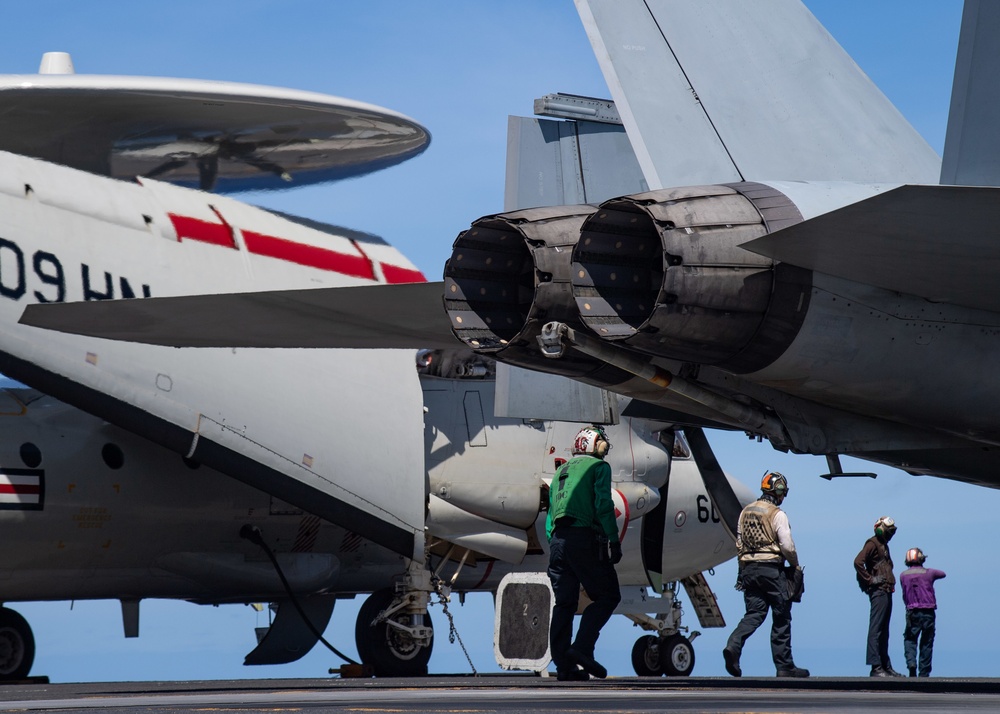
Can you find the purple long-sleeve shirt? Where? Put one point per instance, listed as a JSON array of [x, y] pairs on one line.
[[918, 587]]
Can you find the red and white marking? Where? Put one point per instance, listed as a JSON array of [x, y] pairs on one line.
[[22, 490]]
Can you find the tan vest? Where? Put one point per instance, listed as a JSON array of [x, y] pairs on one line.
[[756, 541]]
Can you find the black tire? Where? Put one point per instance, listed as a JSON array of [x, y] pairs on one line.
[[17, 646], [677, 656], [646, 656], [389, 652]]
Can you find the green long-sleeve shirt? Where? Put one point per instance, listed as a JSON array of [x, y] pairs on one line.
[[581, 489]]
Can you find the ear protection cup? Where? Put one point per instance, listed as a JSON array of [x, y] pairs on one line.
[[592, 440], [775, 484]]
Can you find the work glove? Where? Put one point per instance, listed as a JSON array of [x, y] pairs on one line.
[[616, 553]]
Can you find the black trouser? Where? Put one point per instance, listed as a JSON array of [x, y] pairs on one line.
[[878, 629], [573, 561], [765, 586], [919, 625]]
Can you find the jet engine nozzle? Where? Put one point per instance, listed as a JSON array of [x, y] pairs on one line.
[[663, 273], [507, 269], [508, 275]]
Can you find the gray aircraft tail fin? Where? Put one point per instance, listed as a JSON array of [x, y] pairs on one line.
[[575, 161], [730, 90], [971, 147]]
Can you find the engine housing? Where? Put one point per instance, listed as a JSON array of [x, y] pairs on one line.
[[663, 273]]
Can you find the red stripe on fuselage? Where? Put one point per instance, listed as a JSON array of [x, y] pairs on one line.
[[396, 274], [358, 266], [204, 231], [20, 488], [308, 255]]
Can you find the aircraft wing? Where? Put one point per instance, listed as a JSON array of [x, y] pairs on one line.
[[711, 92], [409, 315], [936, 242]]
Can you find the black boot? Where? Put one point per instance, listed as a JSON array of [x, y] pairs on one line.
[[793, 671], [590, 665], [572, 675], [732, 660]]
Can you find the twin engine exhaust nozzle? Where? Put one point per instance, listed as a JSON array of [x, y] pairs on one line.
[[660, 273]]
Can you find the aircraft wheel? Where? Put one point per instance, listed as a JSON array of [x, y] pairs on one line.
[[17, 645], [677, 656], [646, 656], [391, 653]]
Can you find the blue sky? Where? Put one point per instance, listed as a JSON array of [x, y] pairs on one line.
[[460, 67]]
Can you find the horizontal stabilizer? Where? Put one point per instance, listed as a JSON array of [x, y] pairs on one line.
[[407, 316], [935, 242]]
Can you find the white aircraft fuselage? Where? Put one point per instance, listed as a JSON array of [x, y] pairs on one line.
[[95, 512], [138, 482], [68, 235]]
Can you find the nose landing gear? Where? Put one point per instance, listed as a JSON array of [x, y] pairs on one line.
[[668, 652], [672, 655]]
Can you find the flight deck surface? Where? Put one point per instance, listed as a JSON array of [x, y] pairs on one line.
[[512, 693]]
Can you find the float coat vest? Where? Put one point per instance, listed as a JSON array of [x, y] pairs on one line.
[[581, 493], [874, 567], [756, 539]]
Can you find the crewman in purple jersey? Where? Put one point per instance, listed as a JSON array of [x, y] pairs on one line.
[[918, 596]]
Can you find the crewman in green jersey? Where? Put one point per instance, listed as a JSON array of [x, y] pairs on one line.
[[583, 549]]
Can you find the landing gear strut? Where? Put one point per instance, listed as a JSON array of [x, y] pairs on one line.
[[394, 632], [17, 646], [668, 651]]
